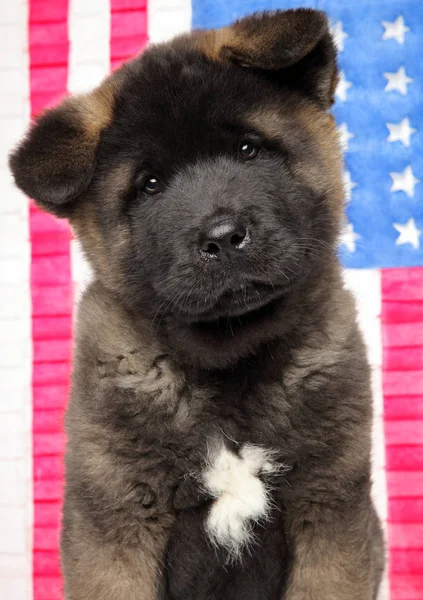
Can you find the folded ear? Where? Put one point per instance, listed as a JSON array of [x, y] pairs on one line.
[[293, 45], [55, 162]]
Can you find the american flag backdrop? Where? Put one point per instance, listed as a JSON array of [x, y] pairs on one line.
[[49, 48]]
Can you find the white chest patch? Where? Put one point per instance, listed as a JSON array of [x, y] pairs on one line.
[[241, 496]]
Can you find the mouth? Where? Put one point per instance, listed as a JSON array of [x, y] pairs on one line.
[[249, 299]]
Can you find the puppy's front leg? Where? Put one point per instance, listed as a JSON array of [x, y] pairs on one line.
[[335, 556], [99, 569]]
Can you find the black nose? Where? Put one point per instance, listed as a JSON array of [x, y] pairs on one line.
[[224, 237]]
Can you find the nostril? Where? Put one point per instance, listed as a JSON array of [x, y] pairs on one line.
[[238, 237], [210, 248]]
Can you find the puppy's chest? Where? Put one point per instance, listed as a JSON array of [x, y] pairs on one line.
[[165, 400], [216, 440]]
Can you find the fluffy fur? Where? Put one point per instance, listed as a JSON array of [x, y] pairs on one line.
[[241, 497], [203, 180]]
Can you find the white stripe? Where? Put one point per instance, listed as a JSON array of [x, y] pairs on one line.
[[89, 36], [16, 504], [89, 64], [81, 270], [167, 18], [366, 285]]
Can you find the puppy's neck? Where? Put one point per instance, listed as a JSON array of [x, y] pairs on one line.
[[271, 335]]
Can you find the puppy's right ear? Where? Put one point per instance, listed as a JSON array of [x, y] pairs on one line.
[[55, 162]]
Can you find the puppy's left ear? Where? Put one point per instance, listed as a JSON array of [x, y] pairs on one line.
[[293, 46]]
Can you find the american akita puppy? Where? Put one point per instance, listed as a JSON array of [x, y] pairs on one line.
[[220, 414]]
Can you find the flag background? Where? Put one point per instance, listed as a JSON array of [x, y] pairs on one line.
[[49, 48]]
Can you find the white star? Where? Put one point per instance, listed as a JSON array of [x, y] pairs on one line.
[[342, 87], [339, 35], [344, 136], [409, 234], [395, 30], [349, 237], [349, 185], [404, 182], [398, 81], [400, 132]]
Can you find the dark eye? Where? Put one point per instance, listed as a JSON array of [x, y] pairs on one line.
[[152, 186], [248, 150]]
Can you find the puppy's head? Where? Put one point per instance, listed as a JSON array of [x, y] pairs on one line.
[[203, 177]]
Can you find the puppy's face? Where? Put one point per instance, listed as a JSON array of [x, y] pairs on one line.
[[203, 178]]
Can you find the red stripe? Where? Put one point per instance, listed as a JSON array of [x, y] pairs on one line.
[[403, 312], [128, 29], [50, 302], [123, 5], [48, 444], [402, 334], [47, 563], [50, 467], [56, 241], [407, 587], [404, 285], [404, 458], [405, 483], [401, 382], [51, 292], [57, 328], [48, 10], [50, 397], [406, 535], [46, 489], [398, 335], [406, 510], [396, 359], [406, 562], [404, 407], [400, 432]]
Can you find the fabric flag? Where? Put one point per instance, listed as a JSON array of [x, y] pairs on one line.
[[49, 48]]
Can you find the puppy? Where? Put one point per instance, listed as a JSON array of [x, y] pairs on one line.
[[220, 413]]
